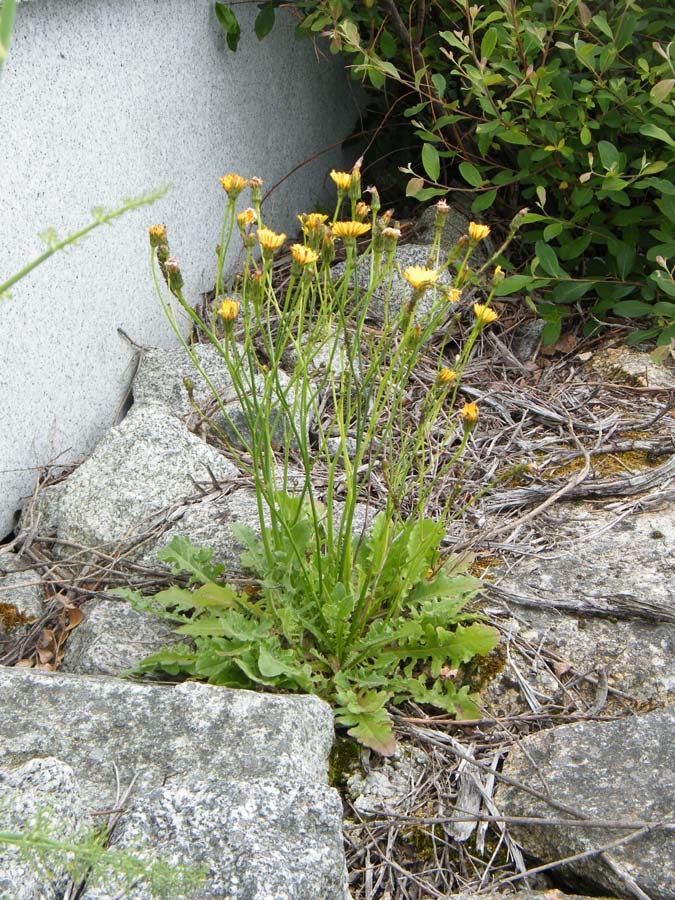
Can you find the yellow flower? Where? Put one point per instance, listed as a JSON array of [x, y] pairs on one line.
[[247, 217], [498, 275], [446, 376], [303, 256], [470, 414], [420, 277], [350, 229], [270, 240], [361, 211], [341, 179], [484, 314], [311, 221], [157, 235], [229, 309], [233, 184], [478, 232], [453, 295]]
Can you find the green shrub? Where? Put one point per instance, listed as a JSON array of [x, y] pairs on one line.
[[553, 104]]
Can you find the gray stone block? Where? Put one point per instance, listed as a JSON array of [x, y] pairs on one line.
[[602, 561], [263, 841], [161, 733], [113, 637], [161, 374], [621, 770], [41, 793], [390, 296], [230, 780], [146, 463]]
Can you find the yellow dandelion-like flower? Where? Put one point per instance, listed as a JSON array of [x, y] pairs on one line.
[[478, 232], [303, 256], [157, 235], [420, 277], [446, 376], [361, 211], [350, 229], [341, 179], [229, 309], [247, 217], [470, 413], [233, 184], [311, 221], [453, 295], [270, 240], [484, 314]]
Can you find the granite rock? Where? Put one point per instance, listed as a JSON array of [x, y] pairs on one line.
[[624, 365], [628, 565], [141, 466], [20, 587], [233, 781], [112, 638], [618, 770], [161, 375], [254, 841], [41, 794], [389, 297]]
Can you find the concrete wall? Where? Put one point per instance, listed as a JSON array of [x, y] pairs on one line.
[[102, 99]]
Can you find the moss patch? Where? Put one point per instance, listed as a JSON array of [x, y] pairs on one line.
[[11, 618]]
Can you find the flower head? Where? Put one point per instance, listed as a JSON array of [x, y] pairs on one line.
[[478, 232], [470, 414], [420, 277], [303, 256], [346, 230], [498, 276], [484, 314], [446, 376], [361, 211], [256, 189], [269, 240], [453, 295], [341, 179], [233, 184], [312, 221], [229, 309], [442, 210], [157, 235], [391, 237], [172, 274], [246, 218]]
